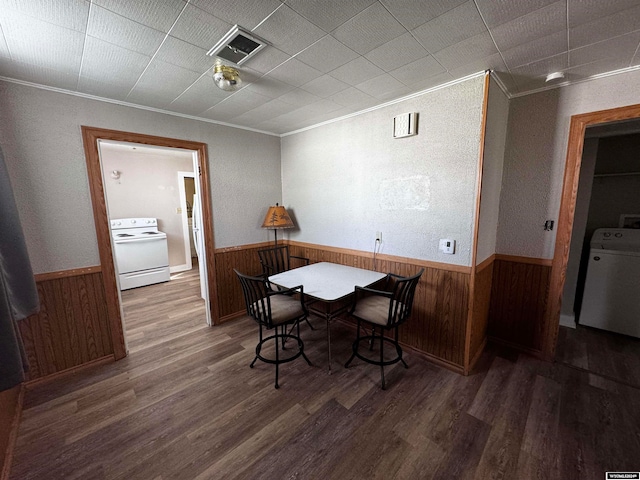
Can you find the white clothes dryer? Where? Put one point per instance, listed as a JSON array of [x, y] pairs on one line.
[[611, 299]]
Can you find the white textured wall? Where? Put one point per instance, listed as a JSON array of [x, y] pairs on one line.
[[495, 137], [535, 157], [41, 138], [346, 180]]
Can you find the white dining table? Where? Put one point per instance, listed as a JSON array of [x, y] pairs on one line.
[[330, 287]]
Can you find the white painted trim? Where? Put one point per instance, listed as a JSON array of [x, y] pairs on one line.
[[186, 237], [568, 320], [386, 104], [132, 105], [180, 268]]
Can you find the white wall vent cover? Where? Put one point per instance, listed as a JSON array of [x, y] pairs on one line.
[[237, 46], [405, 125]]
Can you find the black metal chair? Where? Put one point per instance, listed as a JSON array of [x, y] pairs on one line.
[[276, 260], [274, 310], [385, 310]]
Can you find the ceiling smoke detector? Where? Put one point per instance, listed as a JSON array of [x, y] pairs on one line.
[[237, 46]]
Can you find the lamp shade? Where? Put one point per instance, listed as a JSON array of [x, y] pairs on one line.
[[277, 217]]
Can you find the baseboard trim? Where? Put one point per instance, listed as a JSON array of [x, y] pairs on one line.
[[232, 316], [476, 357], [70, 371], [13, 436], [530, 351], [568, 321]]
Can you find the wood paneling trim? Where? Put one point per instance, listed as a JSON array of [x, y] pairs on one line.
[[71, 328], [90, 136], [42, 277], [486, 263], [578, 126], [251, 246], [528, 260], [382, 257], [472, 318], [70, 371], [477, 334], [10, 411]]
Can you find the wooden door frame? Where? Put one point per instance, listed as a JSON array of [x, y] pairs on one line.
[[90, 137], [579, 124]]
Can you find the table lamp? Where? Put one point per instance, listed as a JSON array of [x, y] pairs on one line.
[[277, 218]]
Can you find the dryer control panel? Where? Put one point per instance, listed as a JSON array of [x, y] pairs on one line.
[[625, 239]]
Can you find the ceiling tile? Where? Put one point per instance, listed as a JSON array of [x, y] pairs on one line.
[[111, 63], [497, 12], [432, 81], [540, 23], [288, 31], [246, 13], [603, 28], [64, 13], [356, 71], [450, 28], [99, 88], [536, 50], [460, 54], [584, 11], [294, 72], [200, 96], [327, 54], [162, 78], [4, 49], [491, 62], [38, 43], [113, 28], [158, 14], [594, 68], [352, 96], [329, 14], [418, 70], [37, 74], [413, 13], [235, 105], [381, 86], [266, 60], [369, 29], [324, 86], [150, 99], [620, 48], [199, 28], [298, 97], [269, 87], [396, 53], [548, 65], [267, 110], [322, 106], [185, 55]]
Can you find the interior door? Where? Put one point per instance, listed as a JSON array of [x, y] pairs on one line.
[[198, 239]]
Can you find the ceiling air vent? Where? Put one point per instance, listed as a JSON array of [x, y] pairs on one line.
[[237, 46]]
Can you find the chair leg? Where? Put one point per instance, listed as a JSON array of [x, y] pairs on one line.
[[373, 337], [302, 345], [309, 323], [354, 346], [384, 386], [257, 349], [400, 350], [277, 358]]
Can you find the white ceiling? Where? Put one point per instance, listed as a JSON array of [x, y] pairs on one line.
[[325, 59]]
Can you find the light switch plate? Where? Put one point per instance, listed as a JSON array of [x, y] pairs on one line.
[[447, 246]]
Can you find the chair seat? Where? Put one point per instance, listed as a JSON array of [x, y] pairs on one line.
[[285, 309], [374, 309]]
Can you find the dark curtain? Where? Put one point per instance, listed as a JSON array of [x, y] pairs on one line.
[[18, 293]]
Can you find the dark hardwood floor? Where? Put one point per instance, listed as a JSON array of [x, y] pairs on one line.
[[610, 355], [185, 405]]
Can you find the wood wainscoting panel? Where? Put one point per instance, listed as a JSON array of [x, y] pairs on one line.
[[10, 408], [519, 298], [72, 326]]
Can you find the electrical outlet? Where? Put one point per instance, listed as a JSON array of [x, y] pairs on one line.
[[179, 210], [447, 246], [379, 237]]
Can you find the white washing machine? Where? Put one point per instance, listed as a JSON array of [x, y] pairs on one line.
[[611, 298]]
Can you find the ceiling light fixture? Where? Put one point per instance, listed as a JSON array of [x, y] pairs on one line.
[[226, 78]]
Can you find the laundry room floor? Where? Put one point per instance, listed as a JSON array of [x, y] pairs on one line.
[[610, 355]]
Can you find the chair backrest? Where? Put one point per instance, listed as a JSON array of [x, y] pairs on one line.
[[255, 298], [404, 289], [274, 259]]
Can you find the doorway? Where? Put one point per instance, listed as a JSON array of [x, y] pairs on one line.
[[576, 145], [91, 138]]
